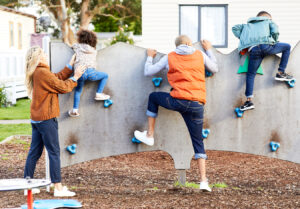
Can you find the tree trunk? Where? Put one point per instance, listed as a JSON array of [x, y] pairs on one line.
[[86, 16], [67, 33]]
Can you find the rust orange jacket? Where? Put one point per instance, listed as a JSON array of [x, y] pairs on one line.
[[46, 87], [187, 76]]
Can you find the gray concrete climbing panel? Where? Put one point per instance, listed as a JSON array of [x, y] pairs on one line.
[[101, 132]]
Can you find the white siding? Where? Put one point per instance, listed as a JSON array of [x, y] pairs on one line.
[[161, 20], [27, 29]]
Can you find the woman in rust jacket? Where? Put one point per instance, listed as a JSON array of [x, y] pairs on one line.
[[43, 88]]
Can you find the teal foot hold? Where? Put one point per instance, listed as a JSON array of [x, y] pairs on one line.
[[239, 112], [157, 81], [205, 133], [71, 148], [134, 140], [291, 83], [274, 146], [108, 103]]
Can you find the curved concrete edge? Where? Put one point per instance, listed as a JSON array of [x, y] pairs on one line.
[[13, 137]]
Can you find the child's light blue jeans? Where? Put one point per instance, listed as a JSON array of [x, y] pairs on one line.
[[90, 74]]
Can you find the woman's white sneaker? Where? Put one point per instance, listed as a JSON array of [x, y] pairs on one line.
[[204, 186], [101, 96], [63, 193], [142, 136]]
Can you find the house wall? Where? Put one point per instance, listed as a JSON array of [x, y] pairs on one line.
[[28, 27], [160, 20]]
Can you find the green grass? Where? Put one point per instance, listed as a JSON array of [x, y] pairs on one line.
[[19, 111], [187, 184], [7, 130], [219, 185]]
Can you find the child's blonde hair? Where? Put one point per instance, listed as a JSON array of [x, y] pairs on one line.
[[32, 60]]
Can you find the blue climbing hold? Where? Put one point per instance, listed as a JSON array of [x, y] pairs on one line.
[[52, 204], [291, 83], [134, 140], [274, 146], [205, 133], [208, 74], [71, 149], [239, 112], [107, 103], [157, 81]]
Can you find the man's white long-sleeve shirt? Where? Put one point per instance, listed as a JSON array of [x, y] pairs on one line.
[[210, 61]]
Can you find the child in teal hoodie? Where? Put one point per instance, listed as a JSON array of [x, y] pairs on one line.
[[260, 38]]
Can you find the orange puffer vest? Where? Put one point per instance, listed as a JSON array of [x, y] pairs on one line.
[[187, 76]]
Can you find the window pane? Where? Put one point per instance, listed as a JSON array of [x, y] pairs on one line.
[[20, 36], [213, 25], [11, 34], [189, 22]]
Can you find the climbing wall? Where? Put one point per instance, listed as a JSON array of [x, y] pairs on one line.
[[101, 132]]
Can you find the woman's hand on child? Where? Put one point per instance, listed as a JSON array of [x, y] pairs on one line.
[[72, 60], [206, 45], [79, 71], [151, 52]]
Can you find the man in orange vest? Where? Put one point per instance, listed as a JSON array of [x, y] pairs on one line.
[[186, 75]]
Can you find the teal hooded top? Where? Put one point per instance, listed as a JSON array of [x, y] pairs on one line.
[[258, 30]]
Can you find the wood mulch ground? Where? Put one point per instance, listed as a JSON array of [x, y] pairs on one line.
[[146, 180]]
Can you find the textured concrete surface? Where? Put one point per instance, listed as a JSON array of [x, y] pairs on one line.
[[101, 132]]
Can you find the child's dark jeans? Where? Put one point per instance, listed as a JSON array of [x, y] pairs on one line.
[[191, 111], [257, 54], [45, 134]]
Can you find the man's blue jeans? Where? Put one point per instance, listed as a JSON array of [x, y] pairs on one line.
[[191, 111], [257, 54], [45, 134], [92, 75]]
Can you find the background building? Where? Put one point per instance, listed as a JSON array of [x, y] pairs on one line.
[[163, 20], [16, 29]]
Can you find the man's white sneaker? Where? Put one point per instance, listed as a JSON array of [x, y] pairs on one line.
[[101, 96], [142, 136], [34, 191], [204, 186], [63, 193]]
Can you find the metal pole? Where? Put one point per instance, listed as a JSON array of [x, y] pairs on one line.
[[181, 176]]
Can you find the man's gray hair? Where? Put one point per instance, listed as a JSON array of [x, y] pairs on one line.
[[183, 39]]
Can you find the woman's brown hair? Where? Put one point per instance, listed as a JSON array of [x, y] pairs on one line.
[[87, 37]]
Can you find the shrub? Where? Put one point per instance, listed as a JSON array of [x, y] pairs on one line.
[[3, 98], [123, 35]]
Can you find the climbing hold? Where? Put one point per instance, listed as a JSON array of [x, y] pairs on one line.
[[274, 146], [239, 112], [208, 74], [205, 133], [134, 140], [291, 83], [244, 68], [107, 103], [71, 148], [157, 81]]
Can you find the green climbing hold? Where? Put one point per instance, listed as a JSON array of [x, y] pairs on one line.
[[244, 68]]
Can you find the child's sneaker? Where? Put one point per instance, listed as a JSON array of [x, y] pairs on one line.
[[142, 136], [63, 193], [283, 77], [34, 191], [204, 186], [73, 113], [101, 96], [248, 105]]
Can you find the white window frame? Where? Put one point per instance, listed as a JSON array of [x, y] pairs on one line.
[[225, 6]]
